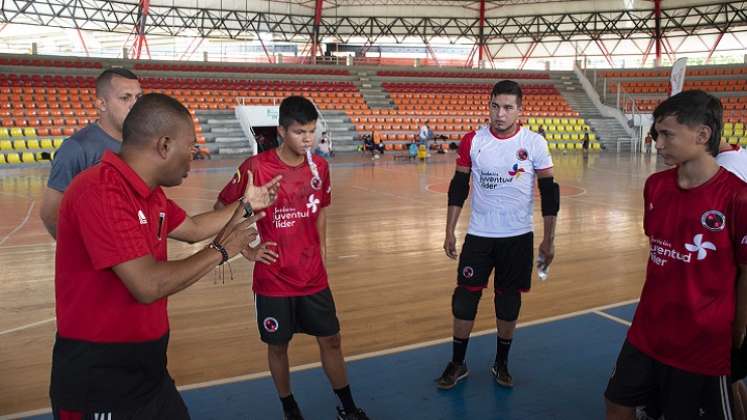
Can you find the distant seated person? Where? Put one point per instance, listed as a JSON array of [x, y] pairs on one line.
[[412, 150], [541, 131], [368, 144], [585, 144], [323, 148], [377, 144], [425, 134], [200, 153]]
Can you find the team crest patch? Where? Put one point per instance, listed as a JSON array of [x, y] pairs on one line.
[[236, 177], [522, 154], [468, 272], [316, 183], [713, 220], [270, 324]]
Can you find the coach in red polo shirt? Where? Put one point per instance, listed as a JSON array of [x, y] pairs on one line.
[[112, 276]]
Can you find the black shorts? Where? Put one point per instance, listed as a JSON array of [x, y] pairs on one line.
[[278, 318], [167, 403], [511, 258], [639, 380]]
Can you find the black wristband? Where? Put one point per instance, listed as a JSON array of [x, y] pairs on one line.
[[218, 247]]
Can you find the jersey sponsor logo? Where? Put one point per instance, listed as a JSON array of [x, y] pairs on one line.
[[270, 324], [522, 154], [713, 220], [700, 247], [236, 177], [313, 203], [141, 217], [491, 180], [285, 217], [516, 171], [662, 251], [468, 272], [102, 416]]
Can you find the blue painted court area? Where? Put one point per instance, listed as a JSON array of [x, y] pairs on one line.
[[560, 370]]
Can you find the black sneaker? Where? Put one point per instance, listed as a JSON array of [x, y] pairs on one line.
[[452, 375], [294, 414], [502, 377], [358, 414]]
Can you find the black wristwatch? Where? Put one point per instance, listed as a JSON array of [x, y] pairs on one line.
[[248, 211]]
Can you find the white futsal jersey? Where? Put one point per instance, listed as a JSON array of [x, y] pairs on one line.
[[734, 161], [503, 180]]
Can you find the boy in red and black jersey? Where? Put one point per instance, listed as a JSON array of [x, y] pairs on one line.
[[677, 353], [290, 281]]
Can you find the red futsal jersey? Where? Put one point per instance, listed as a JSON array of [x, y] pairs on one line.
[[698, 237], [290, 222]]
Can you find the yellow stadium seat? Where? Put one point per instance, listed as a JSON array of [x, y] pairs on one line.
[[566, 136], [6, 145], [13, 158], [738, 126], [743, 142], [4, 133], [564, 121], [2, 159], [596, 146], [733, 140], [16, 132], [550, 136], [728, 126], [29, 132], [540, 121], [47, 144], [33, 144], [19, 144], [552, 145], [592, 136], [532, 121], [561, 146], [579, 145], [28, 157], [575, 137], [57, 143]]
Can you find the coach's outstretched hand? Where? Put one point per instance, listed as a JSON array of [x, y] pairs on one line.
[[261, 197], [235, 237]]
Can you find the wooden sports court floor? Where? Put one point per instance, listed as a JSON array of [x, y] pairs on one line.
[[391, 280]]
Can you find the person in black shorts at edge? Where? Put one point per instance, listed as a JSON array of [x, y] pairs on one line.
[[504, 159], [676, 361]]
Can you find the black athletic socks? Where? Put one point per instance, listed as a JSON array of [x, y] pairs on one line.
[[346, 398], [289, 403], [501, 354], [459, 350]]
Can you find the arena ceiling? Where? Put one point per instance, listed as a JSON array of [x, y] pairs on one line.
[[517, 24]]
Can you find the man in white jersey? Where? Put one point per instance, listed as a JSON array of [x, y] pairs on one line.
[[503, 159], [733, 158]]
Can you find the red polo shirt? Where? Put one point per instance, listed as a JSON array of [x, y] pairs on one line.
[[108, 216]]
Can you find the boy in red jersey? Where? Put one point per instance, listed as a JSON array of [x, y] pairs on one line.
[[290, 284], [677, 352]]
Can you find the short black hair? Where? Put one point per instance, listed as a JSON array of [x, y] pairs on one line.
[[693, 107], [297, 109], [508, 87], [154, 115], [104, 81]]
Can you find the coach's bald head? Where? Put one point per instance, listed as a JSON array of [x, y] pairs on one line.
[[159, 132]]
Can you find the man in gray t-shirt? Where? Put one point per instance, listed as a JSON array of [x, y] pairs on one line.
[[117, 90]]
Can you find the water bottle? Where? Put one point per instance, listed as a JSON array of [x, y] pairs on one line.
[[542, 268]]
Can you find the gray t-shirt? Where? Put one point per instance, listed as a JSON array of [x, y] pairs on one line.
[[82, 150]]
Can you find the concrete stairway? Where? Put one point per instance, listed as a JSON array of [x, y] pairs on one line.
[[223, 133]]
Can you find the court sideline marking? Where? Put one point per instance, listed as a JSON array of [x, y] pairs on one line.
[[21, 225]]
